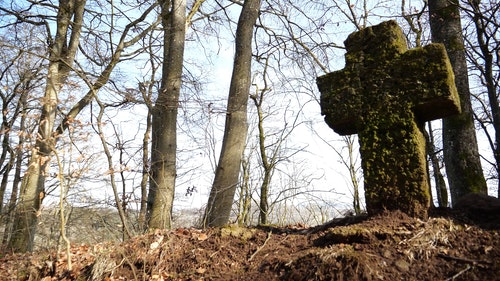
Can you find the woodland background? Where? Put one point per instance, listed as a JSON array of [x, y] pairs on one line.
[[82, 82]]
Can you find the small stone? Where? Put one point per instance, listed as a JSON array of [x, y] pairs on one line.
[[402, 265], [387, 254]]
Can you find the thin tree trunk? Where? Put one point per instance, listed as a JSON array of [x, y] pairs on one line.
[[126, 233], [164, 118], [6, 170], [267, 164], [226, 178], [461, 156], [17, 173], [245, 196], [349, 141], [441, 191], [145, 174]]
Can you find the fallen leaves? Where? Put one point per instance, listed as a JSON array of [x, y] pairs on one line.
[[199, 236], [253, 254], [155, 244]]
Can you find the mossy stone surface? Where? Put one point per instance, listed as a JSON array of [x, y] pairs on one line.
[[384, 94]]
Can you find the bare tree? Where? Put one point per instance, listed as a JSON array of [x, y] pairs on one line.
[[164, 117], [226, 179], [484, 57], [461, 156], [272, 149], [119, 202], [62, 52], [20, 78]]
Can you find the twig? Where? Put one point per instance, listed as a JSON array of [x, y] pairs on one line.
[[62, 198], [473, 262], [261, 247], [467, 268], [132, 267]]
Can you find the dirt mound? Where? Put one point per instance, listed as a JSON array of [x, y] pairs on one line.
[[391, 246]]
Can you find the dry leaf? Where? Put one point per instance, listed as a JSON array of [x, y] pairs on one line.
[[154, 245], [202, 237], [159, 238], [488, 249]]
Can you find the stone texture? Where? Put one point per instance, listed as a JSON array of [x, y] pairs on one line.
[[384, 94]]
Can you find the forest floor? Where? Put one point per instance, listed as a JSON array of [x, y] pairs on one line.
[[450, 245]]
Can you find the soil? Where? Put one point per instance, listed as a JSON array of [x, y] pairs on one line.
[[450, 245]]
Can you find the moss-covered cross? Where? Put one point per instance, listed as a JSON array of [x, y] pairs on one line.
[[385, 93]]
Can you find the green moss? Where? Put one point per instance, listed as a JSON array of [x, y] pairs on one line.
[[237, 231], [384, 94]]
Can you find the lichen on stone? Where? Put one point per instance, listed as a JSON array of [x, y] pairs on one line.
[[384, 94]]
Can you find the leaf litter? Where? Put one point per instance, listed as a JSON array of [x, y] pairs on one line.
[[389, 246]]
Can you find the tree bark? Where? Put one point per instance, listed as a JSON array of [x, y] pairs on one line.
[[245, 195], [486, 67], [164, 118], [142, 221], [17, 172], [461, 156], [227, 172], [62, 55]]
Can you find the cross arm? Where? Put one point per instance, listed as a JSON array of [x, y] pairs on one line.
[[427, 77], [340, 100]]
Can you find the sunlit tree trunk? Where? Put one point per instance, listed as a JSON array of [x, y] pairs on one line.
[[226, 178], [164, 118], [485, 32], [62, 53], [461, 156], [142, 222]]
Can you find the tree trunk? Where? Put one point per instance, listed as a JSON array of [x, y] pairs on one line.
[[62, 54], [267, 163], [226, 178], [17, 173], [484, 37], [441, 191], [349, 141], [461, 156], [164, 118], [142, 222], [245, 196]]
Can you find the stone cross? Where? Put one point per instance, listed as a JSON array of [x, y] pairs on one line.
[[385, 93]]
